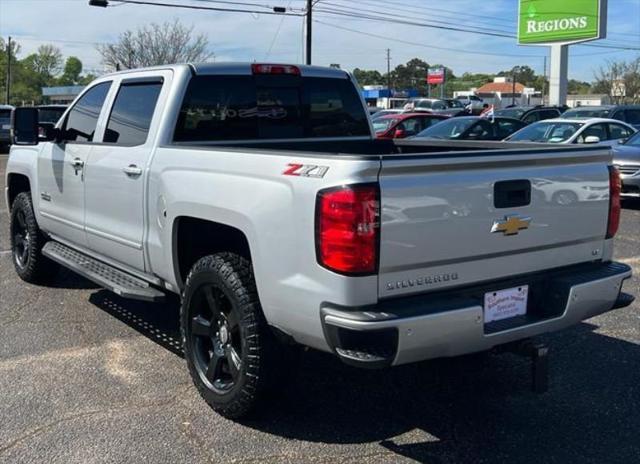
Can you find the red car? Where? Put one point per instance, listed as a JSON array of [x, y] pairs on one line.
[[400, 126]]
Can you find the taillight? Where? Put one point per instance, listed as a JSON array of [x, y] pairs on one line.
[[348, 228], [615, 188], [258, 68]]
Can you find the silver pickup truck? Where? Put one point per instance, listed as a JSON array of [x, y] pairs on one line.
[[258, 193]]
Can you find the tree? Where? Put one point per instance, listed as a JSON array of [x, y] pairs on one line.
[[156, 44], [524, 75], [47, 62], [365, 77], [72, 71], [619, 80], [412, 75]]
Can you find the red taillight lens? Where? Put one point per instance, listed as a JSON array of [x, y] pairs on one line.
[[347, 229], [615, 188], [258, 68]]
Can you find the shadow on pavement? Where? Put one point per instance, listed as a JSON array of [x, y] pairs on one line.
[[474, 408]]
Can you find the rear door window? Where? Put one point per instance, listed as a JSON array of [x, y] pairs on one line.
[[633, 116], [223, 108], [618, 131], [132, 111], [533, 116], [81, 122]]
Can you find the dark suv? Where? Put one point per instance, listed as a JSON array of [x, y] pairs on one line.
[[626, 113], [531, 114]]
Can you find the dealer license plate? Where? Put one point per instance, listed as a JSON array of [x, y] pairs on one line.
[[503, 304], [6, 126]]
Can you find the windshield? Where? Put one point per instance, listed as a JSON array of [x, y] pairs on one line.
[[449, 129], [383, 124], [546, 132], [634, 140], [515, 113], [586, 113], [424, 104], [5, 114], [454, 104]]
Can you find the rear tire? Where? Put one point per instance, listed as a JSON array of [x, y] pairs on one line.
[[231, 353], [27, 241]]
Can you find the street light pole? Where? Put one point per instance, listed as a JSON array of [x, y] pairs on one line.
[[309, 26]]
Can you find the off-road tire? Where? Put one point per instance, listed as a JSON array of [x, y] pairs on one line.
[[27, 241], [232, 276]]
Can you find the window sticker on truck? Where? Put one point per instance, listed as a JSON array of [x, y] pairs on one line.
[[306, 170]]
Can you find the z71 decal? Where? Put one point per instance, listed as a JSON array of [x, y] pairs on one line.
[[306, 170]]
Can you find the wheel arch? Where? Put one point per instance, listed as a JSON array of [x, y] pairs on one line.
[[194, 237], [16, 184]]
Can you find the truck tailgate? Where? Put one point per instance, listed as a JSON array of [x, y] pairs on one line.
[[462, 218]]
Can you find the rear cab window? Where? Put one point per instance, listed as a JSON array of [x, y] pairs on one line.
[[228, 108]]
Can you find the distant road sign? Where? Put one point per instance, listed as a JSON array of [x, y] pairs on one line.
[[544, 22]]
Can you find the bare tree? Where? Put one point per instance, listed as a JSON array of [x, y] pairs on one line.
[[47, 62], [156, 44], [620, 80]]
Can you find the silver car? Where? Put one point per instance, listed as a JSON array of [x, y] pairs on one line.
[[626, 156], [565, 131]]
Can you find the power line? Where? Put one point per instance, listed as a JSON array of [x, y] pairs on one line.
[[393, 39], [207, 8]]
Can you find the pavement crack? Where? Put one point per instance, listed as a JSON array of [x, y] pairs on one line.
[[34, 432]]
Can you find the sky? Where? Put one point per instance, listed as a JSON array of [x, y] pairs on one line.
[[76, 28]]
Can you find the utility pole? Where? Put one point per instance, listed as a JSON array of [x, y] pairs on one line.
[[309, 24], [8, 71], [389, 77], [544, 82]]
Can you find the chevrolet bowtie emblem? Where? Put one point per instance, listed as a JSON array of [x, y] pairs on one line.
[[511, 225]]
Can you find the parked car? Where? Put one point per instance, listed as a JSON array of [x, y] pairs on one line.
[[5, 126], [400, 126], [472, 128], [293, 226], [449, 107], [379, 114], [626, 113], [626, 156], [50, 113], [530, 114], [472, 102], [594, 130]]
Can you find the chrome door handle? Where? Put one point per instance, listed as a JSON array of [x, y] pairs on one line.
[[132, 170], [77, 163]]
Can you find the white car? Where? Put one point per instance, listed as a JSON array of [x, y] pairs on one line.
[[565, 131]]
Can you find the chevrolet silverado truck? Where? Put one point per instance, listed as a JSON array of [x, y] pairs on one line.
[[258, 193]]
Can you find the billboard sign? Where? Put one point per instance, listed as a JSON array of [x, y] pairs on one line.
[[436, 76], [545, 22]]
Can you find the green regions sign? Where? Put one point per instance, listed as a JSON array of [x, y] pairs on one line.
[[567, 21]]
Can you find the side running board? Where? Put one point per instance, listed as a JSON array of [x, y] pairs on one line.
[[119, 282]]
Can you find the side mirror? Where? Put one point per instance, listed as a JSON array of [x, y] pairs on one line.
[[399, 134], [24, 126], [621, 141], [592, 139]]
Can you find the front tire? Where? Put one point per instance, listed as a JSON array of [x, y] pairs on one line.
[[230, 351], [27, 241]]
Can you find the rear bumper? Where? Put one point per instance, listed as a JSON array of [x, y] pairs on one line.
[[406, 330]]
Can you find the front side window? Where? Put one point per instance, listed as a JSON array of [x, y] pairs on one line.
[[594, 130], [219, 108], [81, 122], [532, 117], [131, 114]]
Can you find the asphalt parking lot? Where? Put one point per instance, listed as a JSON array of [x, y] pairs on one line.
[[88, 377]]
